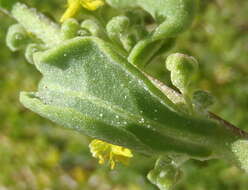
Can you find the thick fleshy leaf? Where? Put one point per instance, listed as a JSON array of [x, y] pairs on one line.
[[87, 86]]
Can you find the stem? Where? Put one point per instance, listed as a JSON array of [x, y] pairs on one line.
[[188, 103], [143, 51], [239, 132]]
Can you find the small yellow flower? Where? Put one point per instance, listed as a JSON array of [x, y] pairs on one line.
[[108, 152], [75, 5], [92, 5]]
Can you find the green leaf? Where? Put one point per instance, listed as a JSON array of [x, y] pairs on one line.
[[84, 78], [87, 86]]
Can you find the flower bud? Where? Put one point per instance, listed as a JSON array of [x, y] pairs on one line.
[[17, 37], [183, 68], [117, 25], [202, 99], [93, 27], [117, 30], [70, 28], [165, 174]]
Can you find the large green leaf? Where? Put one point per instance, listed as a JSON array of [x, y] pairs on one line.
[[87, 86]]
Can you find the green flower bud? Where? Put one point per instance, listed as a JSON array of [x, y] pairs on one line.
[[117, 30], [117, 26], [202, 99], [17, 37], [182, 69], [70, 28], [93, 27], [165, 174]]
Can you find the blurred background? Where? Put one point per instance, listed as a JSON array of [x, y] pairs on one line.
[[35, 154]]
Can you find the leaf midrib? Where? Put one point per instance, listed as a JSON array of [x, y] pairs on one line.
[[122, 113]]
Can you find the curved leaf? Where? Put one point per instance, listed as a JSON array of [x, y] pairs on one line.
[[87, 86]]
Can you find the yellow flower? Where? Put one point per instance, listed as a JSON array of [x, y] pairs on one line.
[[75, 5], [92, 5], [111, 153]]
